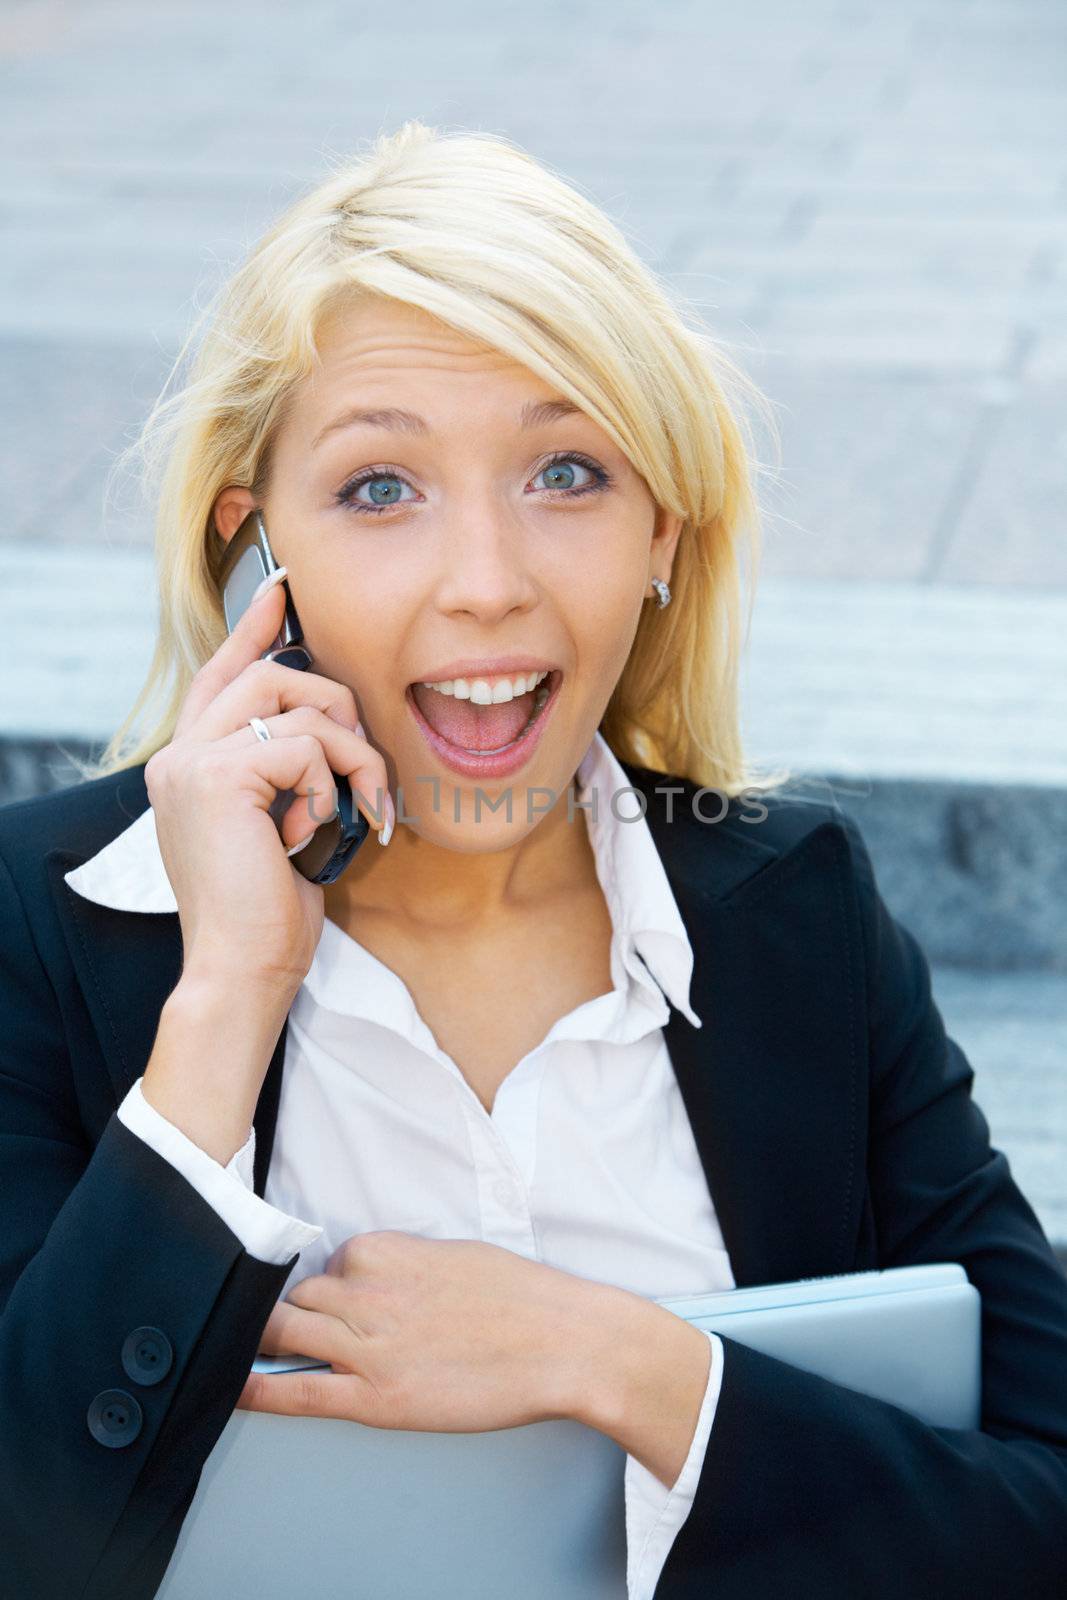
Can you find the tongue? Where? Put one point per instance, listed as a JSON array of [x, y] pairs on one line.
[[470, 726]]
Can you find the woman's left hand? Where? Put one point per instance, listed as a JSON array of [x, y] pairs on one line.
[[435, 1335]]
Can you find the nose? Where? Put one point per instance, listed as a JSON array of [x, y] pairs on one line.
[[484, 568]]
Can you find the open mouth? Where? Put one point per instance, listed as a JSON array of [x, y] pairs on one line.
[[483, 730]]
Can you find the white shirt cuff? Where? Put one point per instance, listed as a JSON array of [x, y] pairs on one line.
[[654, 1513], [266, 1233]]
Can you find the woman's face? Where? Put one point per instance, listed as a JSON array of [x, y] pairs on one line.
[[438, 550]]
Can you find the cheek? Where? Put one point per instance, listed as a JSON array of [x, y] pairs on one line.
[[352, 644], [602, 618], [610, 560]]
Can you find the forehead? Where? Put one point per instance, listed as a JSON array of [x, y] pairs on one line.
[[381, 340], [381, 353]]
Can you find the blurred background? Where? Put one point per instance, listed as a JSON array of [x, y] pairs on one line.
[[868, 205]]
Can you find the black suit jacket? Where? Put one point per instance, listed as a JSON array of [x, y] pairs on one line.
[[837, 1132]]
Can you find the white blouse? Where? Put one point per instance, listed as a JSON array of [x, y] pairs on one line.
[[587, 1161]]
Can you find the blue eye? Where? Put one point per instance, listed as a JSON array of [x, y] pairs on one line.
[[383, 484], [560, 468], [383, 488]]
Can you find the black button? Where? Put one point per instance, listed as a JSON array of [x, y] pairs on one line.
[[114, 1418], [147, 1355]]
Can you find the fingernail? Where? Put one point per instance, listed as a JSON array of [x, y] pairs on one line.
[[390, 820], [360, 731], [268, 583], [294, 848]]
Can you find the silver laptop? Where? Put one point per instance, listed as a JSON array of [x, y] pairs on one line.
[[316, 1505]]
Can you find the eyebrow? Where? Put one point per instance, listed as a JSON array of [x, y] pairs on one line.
[[534, 414]]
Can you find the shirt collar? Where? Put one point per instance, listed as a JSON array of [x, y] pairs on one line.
[[128, 875], [644, 912]]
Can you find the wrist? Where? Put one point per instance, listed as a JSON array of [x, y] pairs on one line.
[[212, 983], [601, 1360], [210, 1056], [243, 1015], [646, 1382]]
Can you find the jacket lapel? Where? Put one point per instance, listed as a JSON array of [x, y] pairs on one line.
[[127, 963], [772, 1083]]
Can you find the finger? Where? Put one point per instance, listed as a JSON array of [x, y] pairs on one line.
[[262, 771], [311, 1394], [300, 763], [256, 630], [322, 1294], [341, 751], [268, 1339], [297, 1331], [263, 688]]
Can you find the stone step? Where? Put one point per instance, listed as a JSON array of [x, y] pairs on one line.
[[935, 714], [1012, 1027]]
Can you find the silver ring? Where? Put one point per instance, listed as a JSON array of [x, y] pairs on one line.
[[259, 728]]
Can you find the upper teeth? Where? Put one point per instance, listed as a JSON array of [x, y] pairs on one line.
[[483, 693]]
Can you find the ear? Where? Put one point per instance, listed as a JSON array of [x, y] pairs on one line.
[[665, 535], [231, 508]]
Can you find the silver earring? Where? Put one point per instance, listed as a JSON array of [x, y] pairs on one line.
[[663, 592]]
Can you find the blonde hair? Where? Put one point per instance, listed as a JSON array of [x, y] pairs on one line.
[[478, 233]]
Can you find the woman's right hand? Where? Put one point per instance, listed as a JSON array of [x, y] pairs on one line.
[[245, 912]]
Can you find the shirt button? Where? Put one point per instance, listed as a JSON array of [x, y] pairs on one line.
[[505, 1195]]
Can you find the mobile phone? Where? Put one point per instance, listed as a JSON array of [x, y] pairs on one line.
[[247, 561]]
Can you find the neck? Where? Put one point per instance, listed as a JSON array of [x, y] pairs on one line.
[[434, 888]]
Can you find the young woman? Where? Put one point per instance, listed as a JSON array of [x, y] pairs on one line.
[[612, 1017]]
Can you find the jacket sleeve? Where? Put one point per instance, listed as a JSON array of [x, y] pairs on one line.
[[809, 1488], [130, 1315]]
